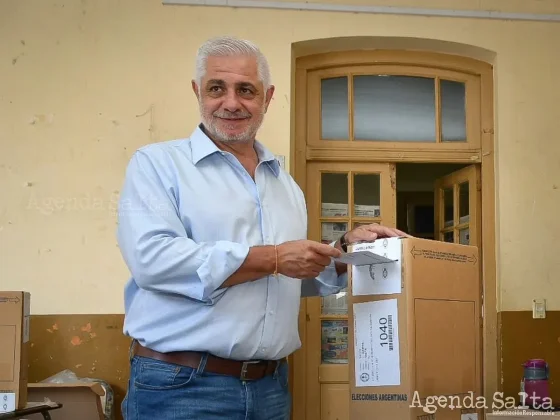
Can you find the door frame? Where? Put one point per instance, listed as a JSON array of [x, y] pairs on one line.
[[301, 153], [329, 374]]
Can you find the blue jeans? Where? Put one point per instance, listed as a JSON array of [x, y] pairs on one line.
[[163, 391]]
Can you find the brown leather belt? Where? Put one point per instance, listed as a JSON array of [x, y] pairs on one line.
[[244, 370]]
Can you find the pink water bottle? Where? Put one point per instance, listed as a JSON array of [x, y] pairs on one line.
[[535, 383]]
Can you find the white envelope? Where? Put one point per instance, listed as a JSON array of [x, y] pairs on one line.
[[363, 258]]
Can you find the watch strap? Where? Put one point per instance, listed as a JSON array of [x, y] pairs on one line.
[[343, 243]]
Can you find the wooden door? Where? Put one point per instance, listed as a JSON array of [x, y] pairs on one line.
[[458, 219], [458, 207], [340, 196]]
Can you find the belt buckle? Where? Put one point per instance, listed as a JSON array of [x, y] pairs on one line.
[[244, 368]]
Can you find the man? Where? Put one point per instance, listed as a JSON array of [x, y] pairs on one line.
[[214, 234]]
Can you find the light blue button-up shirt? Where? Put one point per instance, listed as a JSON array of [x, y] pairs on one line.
[[188, 214]]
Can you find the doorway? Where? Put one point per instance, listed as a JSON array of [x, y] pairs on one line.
[[416, 185], [438, 201], [357, 144]]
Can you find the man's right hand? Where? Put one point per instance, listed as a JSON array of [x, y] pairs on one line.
[[304, 259]]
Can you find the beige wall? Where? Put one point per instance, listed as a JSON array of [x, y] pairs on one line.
[[84, 83]]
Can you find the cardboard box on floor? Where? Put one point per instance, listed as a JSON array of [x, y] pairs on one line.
[[80, 400], [14, 336], [416, 333]]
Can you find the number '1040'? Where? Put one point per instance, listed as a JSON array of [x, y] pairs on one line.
[[385, 335]]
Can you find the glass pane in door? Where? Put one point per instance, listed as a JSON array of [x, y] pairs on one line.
[[334, 341], [394, 108], [336, 304], [453, 112], [367, 195], [334, 194], [448, 219], [464, 203], [332, 231], [464, 236], [448, 236], [334, 108]]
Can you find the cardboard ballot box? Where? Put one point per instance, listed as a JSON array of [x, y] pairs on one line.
[[415, 345], [14, 336]]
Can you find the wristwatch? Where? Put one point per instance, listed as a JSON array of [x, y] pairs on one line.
[[343, 243]]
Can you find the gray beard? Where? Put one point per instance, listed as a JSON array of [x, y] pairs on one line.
[[245, 137]]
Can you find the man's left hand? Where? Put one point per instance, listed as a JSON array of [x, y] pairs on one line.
[[368, 233], [371, 232]]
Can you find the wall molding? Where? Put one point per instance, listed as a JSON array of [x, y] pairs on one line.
[[386, 10]]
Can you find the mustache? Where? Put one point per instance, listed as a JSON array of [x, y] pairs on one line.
[[232, 115]]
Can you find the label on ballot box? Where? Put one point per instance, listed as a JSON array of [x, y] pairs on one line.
[[382, 277], [7, 402]]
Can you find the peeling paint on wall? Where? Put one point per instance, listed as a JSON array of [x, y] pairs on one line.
[[76, 341]]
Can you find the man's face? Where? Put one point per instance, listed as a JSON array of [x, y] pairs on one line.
[[232, 98]]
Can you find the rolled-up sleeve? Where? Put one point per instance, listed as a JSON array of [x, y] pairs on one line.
[[155, 245]]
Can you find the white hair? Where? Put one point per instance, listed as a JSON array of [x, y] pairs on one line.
[[229, 46]]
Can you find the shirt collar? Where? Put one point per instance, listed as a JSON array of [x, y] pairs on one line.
[[202, 146]]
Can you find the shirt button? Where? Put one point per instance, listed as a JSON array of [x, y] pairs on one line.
[[271, 312]]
